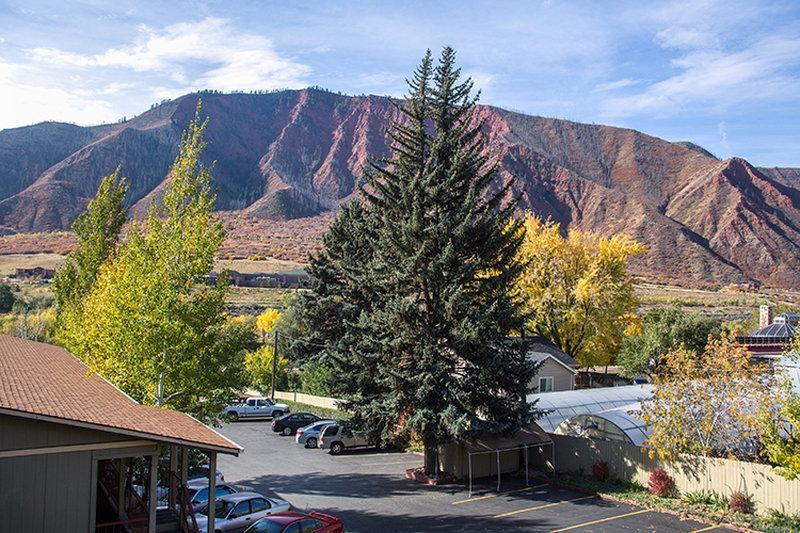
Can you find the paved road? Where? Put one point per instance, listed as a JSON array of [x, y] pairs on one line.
[[368, 491]]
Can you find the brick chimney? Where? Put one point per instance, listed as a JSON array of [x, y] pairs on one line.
[[764, 316]]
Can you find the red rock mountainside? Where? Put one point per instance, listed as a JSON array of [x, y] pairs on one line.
[[297, 154]]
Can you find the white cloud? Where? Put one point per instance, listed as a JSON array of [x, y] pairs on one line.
[[614, 85], [210, 53], [716, 65], [22, 103]]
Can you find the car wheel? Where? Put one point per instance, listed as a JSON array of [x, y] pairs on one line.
[[311, 442], [287, 431], [336, 448], [233, 416], [277, 414]]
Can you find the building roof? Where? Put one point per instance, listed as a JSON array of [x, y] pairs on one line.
[[561, 405], [776, 330], [539, 348], [46, 382]]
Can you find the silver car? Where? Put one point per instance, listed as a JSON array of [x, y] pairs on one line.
[[235, 512], [338, 438], [309, 436], [198, 492]]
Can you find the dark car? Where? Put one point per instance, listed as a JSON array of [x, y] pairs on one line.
[[289, 424], [294, 522]]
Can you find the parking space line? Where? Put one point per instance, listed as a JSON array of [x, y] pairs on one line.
[[388, 463], [496, 494], [544, 506], [709, 528], [600, 521]]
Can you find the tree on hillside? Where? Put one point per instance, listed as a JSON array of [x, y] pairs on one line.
[[419, 277], [6, 298], [664, 330], [149, 324], [713, 404], [97, 230], [577, 291]]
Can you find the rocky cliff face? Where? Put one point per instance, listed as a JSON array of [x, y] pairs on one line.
[[296, 155]]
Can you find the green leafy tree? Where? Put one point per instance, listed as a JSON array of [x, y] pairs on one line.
[[782, 448], [664, 330], [258, 365], [148, 324], [413, 302], [97, 230], [6, 298]]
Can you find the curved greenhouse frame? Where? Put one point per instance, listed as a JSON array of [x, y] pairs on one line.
[[620, 425], [563, 405]]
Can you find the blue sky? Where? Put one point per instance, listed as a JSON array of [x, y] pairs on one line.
[[723, 74]]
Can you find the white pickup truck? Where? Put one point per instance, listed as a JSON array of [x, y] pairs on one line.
[[255, 407]]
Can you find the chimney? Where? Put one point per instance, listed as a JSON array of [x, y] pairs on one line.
[[764, 316]]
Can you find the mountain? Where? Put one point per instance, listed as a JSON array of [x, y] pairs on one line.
[[286, 160]]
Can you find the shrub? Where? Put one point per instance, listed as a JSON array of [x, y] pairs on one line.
[[661, 484], [600, 471], [783, 521], [741, 502], [697, 497]]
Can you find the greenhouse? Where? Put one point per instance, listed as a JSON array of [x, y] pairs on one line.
[[563, 405], [621, 425]]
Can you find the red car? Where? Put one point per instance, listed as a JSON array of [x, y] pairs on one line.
[[294, 522]]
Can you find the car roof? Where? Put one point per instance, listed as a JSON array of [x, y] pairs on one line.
[[239, 496], [203, 482]]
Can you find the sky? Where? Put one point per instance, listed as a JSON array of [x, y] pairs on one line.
[[723, 74]]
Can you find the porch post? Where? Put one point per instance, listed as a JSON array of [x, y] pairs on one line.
[[153, 493], [498, 470], [526, 465], [122, 468], [212, 490], [184, 480], [470, 474], [173, 474]]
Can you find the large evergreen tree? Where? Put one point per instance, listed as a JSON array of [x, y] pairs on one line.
[[420, 276]]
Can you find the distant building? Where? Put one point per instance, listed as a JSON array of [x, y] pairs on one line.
[[773, 336], [35, 274], [275, 280], [557, 371]]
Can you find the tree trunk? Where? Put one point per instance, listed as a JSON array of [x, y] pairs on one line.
[[431, 456]]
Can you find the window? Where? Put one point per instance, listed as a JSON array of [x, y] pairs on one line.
[[241, 509], [546, 384], [263, 403], [251, 403], [267, 526], [330, 431], [202, 495], [258, 504], [310, 525], [292, 528], [224, 490]]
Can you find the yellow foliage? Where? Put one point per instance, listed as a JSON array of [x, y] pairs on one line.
[[266, 321], [577, 289]]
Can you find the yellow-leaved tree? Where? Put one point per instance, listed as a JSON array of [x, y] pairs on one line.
[[717, 403], [259, 363], [577, 290]]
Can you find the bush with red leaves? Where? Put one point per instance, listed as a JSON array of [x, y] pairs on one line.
[[600, 471], [741, 503], [661, 484]]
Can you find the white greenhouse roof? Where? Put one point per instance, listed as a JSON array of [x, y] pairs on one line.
[[559, 406]]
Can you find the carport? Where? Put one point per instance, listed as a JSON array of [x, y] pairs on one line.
[[482, 456]]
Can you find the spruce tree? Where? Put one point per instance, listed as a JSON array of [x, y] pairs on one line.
[[426, 307]]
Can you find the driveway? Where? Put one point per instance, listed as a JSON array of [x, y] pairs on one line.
[[368, 491]]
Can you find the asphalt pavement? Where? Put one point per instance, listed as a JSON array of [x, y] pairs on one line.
[[367, 490]]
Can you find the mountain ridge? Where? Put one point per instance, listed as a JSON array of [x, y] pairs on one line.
[[293, 156]]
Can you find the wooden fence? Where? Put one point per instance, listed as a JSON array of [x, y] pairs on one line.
[[724, 476], [308, 399]]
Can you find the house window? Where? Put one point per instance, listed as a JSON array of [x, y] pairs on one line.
[[546, 384]]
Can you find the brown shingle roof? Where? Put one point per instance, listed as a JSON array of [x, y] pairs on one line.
[[45, 380]]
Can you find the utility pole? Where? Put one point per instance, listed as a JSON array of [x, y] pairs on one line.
[[274, 361]]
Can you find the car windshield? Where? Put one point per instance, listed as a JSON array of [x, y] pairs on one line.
[[221, 511], [265, 525]]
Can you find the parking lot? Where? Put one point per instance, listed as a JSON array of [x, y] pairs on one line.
[[368, 491]]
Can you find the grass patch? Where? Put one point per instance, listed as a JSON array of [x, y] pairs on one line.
[[710, 507]]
